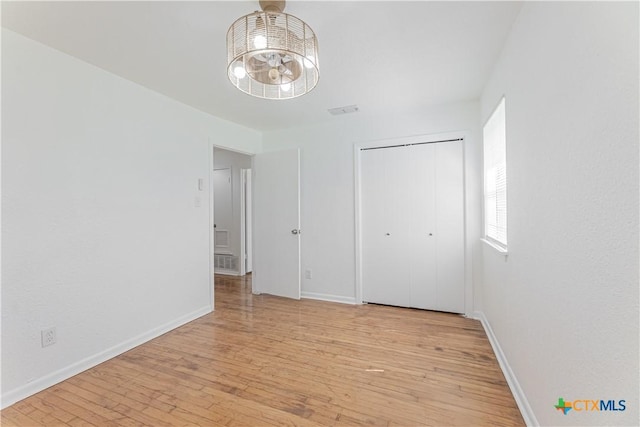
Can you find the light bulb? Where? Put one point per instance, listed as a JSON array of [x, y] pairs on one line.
[[285, 87], [308, 63], [274, 74], [239, 71], [260, 41]]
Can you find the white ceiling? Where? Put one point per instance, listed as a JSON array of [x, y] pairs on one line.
[[383, 56]]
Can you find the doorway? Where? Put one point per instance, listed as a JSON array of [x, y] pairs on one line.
[[231, 221], [265, 212]]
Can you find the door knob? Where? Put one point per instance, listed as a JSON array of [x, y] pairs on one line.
[[388, 234], [295, 231]]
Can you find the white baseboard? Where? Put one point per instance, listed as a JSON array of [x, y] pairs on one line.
[[225, 272], [12, 396], [326, 297], [519, 396]]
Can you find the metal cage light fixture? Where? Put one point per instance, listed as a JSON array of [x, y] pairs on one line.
[[271, 54]]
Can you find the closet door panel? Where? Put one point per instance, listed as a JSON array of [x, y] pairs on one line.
[[450, 226], [384, 231], [412, 226], [421, 213]]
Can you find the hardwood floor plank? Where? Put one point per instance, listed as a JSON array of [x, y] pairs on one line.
[[43, 418], [13, 417], [77, 406], [261, 360], [59, 414]]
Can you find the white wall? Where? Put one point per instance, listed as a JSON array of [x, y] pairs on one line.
[[327, 186], [564, 304], [236, 161], [101, 237]]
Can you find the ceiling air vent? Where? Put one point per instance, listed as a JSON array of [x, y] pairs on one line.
[[343, 110]]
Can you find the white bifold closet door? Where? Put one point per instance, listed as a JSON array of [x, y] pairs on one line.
[[412, 226]]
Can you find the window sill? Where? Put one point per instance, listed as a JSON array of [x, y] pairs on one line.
[[499, 249]]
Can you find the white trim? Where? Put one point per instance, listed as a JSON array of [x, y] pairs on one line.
[[12, 396], [518, 394], [248, 239], [212, 250], [358, 218], [222, 252], [466, 244], [226, 272], [243, 252], [327, 297], [254, 289], [495, 246]]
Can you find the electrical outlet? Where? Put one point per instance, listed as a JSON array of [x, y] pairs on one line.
[[48, 336], [307, 274]]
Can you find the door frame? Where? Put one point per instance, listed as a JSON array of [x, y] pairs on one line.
[[212, 248], [246, 227], [211, 165], [394, 142], [243, 255]]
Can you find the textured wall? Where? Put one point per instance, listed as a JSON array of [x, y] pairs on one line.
[[564, 303], [101, 236], [328, 194]]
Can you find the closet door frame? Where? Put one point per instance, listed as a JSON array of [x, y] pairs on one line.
[[393, 142]]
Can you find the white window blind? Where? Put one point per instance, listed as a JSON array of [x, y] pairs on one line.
[[495, 177]]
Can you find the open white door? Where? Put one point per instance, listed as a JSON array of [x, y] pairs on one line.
[[276, 231]]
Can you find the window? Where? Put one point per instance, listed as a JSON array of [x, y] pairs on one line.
[[495, 178]]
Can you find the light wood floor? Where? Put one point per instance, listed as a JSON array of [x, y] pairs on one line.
[[264, 360]]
